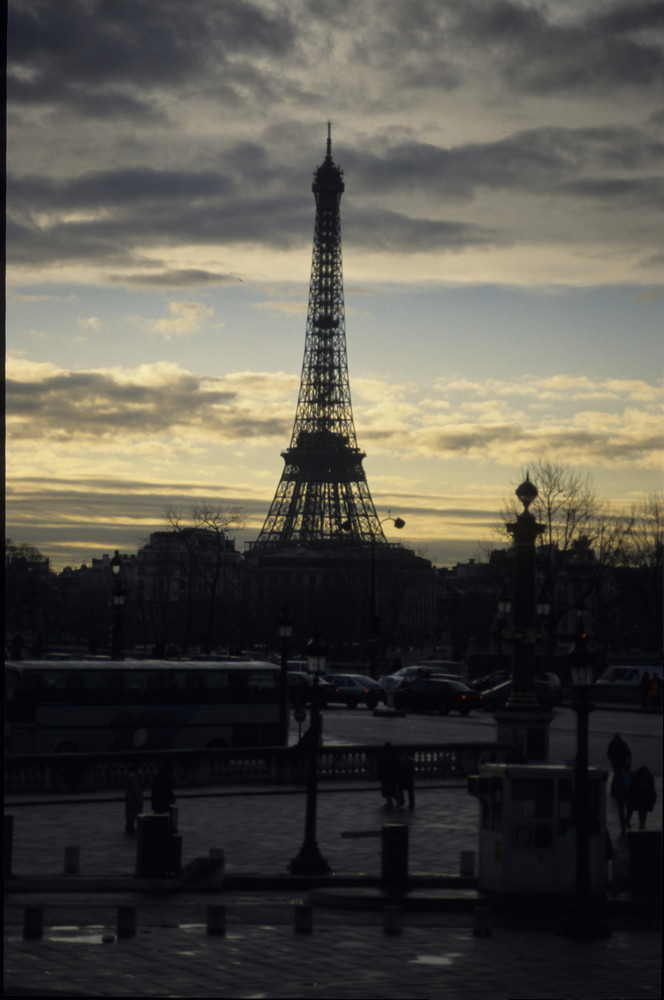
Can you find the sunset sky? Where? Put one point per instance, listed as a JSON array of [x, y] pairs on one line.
[[502, 238]]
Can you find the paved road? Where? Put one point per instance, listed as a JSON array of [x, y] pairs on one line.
[[642, 731], [348, 953]]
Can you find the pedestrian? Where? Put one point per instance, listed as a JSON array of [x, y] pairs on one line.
[[621, 791], [133, 798], [619, 753], [388, 773], [407, 778], [642, 794], [163, 795]]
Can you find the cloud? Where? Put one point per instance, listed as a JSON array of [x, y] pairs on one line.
[[48, 404], [590, 51], [186, 319], [162, 408], [173, 278], [89, 323], [110, 58]]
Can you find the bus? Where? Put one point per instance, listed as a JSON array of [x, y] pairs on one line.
[[91, 706]]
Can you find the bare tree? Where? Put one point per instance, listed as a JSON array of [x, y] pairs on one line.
[[205, 549], [580, 542], [643, 550]]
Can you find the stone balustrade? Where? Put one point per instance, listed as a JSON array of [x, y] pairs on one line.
[[254, 765]]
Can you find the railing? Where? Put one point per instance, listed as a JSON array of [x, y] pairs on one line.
[[255, 765]]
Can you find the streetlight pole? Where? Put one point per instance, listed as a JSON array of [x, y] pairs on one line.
[[285, 633], [583, 923], [523, 722], [118, 608], [374, 619], [310, 861], [525, 530]]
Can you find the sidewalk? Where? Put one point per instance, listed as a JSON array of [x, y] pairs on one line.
[[348, 953]]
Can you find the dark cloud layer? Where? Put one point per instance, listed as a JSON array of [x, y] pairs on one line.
[[113, 216], [95, 406], [153, 66], [80, 53]]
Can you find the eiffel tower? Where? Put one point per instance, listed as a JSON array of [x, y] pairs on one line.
[[323, 497], [322, 552]]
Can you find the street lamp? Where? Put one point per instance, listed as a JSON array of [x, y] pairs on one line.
[[285, 633], [118, 608], [310, 861], [374, 621], [525, 530], [583, 922]]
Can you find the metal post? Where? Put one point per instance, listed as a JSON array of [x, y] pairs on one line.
[[310, 861], [583, 923]]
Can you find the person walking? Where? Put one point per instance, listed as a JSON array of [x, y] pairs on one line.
[[133, 798], [621, 791], [407, 778], [642, 794], [619, 753]]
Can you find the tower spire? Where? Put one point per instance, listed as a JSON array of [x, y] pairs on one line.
[[323, 497]]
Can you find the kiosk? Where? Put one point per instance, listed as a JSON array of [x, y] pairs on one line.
[[527, 841]]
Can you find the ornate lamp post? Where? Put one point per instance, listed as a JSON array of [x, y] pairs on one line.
[[285, 633], [523, 722], [525, 530], [374, 622], [583, 922], [310, 861], [118, 608]]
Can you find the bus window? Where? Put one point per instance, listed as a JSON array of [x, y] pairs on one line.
[[181, 686], [143, 686], [216, 685], [262, 687], [59, 687], [102, 687]]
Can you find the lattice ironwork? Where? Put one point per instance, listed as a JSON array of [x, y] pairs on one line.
[[323, 497]]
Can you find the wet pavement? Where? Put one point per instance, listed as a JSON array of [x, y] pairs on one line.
[[349, 952]]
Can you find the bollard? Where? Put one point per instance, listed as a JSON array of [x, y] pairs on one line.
[[394, 876], [154, 852], [72, 858], [392, 919], [467, 864], [126, 921], [33, 923], [304, 918], [482, 921], [216, 920]]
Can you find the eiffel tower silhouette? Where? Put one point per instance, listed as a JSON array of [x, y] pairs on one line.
[[322, 551], [323, 497]]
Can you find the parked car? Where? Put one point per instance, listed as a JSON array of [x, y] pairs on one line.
[[436, 694], [490, 680], [624, 683], [300, 687], [355, 689], [416, 670], [497, 696]]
